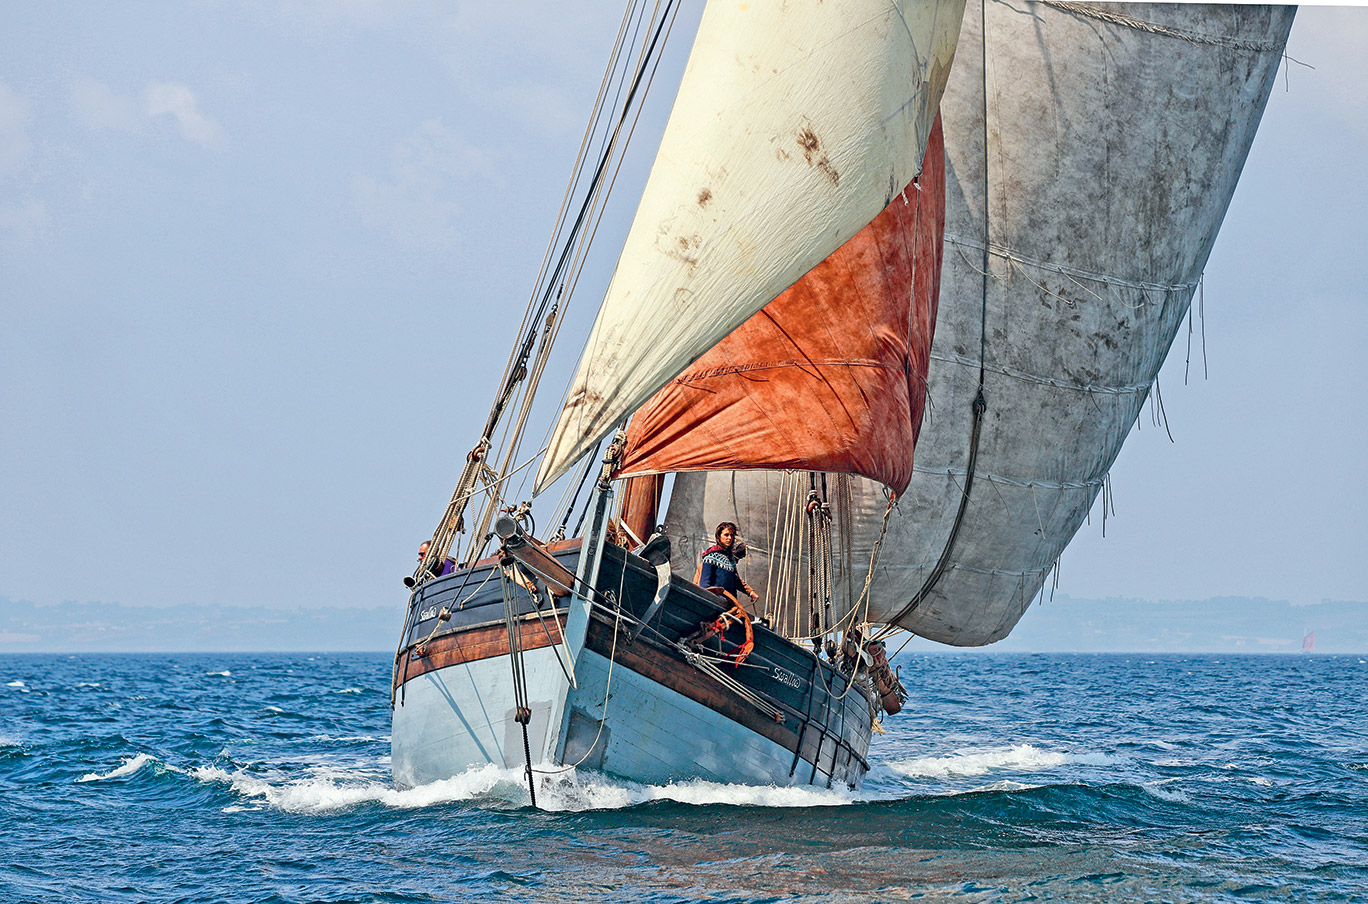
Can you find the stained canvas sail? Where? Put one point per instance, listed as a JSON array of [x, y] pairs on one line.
[[795, 125], [1114, 138], [831, 375]]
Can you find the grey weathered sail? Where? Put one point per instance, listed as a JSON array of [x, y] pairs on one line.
[[1079, 217]]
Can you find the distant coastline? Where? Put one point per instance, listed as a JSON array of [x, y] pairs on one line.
[[1060, 625]]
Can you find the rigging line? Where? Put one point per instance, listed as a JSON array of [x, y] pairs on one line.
[[594, 184], [522, 711], [980, 403], [516, 371], [577, 171], [1159, 396], [587, 464], [1187, 359], [607, 692], [1201, 315], [587, 237], [610, 77]]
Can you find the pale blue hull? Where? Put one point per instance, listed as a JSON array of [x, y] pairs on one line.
[[638, 708]]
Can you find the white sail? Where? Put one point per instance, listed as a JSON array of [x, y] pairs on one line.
[[1115, 137], [795, 125]]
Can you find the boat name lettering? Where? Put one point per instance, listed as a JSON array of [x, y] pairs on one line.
[[429, 612], [784, 676]]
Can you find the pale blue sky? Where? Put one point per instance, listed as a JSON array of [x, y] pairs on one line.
[[261, 263]]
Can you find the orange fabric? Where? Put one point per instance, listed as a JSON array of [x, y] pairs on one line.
[[831, 375]]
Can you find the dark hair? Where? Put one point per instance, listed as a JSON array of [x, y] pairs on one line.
[[717, 534]]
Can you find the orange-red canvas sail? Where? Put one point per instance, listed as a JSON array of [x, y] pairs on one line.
[[829, 376]]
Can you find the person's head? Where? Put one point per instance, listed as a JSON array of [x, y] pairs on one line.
[[726, 534], [423, 548]]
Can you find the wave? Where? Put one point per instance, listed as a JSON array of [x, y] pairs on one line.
[[223, 674], [973, 762], [129, 766], [492, 786]]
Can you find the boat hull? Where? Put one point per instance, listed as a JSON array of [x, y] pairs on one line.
[[638, 709]]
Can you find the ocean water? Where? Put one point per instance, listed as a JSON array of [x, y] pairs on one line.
[[265, 778]]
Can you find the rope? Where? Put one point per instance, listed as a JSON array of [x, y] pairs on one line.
[[607, 695], [1093, 12], [980, 403], [522, 711], [539, 314]]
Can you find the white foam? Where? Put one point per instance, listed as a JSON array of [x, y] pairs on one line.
[[223, 674], [591, 791], [1158, 789], [333, 789], [88, 684], [130, 766], [971, 762], [18, 683], [349, 690]]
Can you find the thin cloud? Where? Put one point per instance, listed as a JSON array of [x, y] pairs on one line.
[[417, 201], [99, 107], [179, 102], [14, 140]]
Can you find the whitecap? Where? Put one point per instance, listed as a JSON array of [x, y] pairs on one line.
[[130, 766], [89, 684], [328, 790], [1172, 795], [591, 791], [349, 690], [223, 674], [967, 763], [1007, 785], [18, 683]]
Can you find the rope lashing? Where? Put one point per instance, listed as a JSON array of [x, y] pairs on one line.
[[1115, 18]]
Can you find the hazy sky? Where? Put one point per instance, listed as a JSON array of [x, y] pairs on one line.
[[261, 264]]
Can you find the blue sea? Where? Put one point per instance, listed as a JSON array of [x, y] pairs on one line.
[[1080, 778]]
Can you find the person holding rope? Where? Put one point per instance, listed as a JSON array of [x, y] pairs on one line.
[[718, 568]]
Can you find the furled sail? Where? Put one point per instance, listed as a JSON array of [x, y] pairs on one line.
[[1113, 141], [829, 376], [794, 126]]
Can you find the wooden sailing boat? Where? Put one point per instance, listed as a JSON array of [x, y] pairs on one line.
[[769, 332]]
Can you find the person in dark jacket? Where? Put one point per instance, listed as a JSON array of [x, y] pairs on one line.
[[718, 565]]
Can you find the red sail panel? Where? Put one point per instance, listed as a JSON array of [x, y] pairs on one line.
[[829, 376]]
